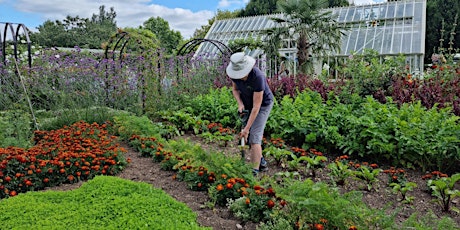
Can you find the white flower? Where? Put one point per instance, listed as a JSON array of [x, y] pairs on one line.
[[57, 56]]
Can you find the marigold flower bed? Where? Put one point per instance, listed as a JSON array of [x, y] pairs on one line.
[[73, 153]]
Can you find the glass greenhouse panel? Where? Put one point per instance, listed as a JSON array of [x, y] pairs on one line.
[[390, 28]]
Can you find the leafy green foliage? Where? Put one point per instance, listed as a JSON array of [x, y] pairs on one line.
[[168, 38], [51, 120], [16, 129], [369, 73], [240, 45], [259, 7], [218, 105], [310, 202], [127, 125]]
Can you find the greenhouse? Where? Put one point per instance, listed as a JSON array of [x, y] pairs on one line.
[[389, 28]]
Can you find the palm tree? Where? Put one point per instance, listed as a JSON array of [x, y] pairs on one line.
[[316, 30]]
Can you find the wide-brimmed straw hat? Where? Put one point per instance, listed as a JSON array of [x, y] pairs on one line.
[[240, 65]]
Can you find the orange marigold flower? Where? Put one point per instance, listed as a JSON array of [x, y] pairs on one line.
[[353, 228], [231, 181], [220, 187], [248, 201], [318, 227]]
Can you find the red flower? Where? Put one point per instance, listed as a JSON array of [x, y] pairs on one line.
[[270, 204]]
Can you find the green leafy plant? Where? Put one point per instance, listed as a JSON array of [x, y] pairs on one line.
[[403, 188], [367, 174], [339, 172], [280, 155], [184, 121], [314, 163], [443, 189]]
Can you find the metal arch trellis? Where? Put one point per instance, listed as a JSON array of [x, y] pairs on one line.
[[118, 38], [15, 35], [121, 37], [117, 44], [189, 46]]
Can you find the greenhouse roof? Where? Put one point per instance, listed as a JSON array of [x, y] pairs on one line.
[[390, 28]]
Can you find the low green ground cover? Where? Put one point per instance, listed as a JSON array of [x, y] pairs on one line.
[[105, 202]]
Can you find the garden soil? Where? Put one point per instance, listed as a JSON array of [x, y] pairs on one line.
[[143, 169]]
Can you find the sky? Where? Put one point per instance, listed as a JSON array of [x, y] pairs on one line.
[[184, 16]]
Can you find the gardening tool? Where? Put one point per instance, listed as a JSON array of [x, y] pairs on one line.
[[244, 116]]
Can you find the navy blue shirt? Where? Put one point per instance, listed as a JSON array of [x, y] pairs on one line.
[[256, 82]]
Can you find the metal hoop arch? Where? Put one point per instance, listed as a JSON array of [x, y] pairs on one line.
[[189, 46], [15, 35], [121, 36]]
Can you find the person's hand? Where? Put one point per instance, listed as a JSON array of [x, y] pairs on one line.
[[240, 108]]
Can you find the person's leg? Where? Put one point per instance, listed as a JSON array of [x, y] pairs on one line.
[[256, 134], [256, 154]]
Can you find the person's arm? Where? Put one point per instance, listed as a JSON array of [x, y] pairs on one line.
[[257, 103], [237, 96]]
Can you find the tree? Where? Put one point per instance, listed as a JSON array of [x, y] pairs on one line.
[[259, 7], [76, 31], [50, 34], [100, 27], [439, 13], [338, 3], [169, 39], [316, 31]]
